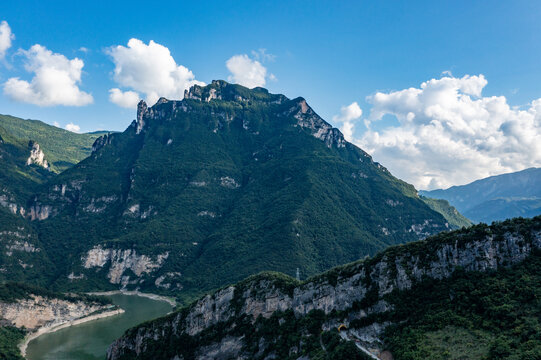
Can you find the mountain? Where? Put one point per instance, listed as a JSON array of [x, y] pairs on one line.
[[62, 149], [200, 193], [22, 168], [468, 294], [497, 197], [25, 164]]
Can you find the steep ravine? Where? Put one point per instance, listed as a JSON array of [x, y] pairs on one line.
[[230, 322]]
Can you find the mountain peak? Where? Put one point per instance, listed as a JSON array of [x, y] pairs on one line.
[[222, 90], [141, 109]]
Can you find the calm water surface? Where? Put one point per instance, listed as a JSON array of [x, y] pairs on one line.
[[89, 341]]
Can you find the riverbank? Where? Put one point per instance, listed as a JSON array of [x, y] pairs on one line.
[[169, 300], [56, 327]]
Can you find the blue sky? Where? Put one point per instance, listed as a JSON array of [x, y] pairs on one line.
[[333, 53]]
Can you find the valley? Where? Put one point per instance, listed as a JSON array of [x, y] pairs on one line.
[[256, 180], [217, 200]]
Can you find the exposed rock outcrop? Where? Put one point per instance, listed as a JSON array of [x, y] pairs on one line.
[[319, 128], [121, 260], [38, 311], [141, 110], [8, 201], [101, 142], [36, 155], [221, 90], [40, 212]]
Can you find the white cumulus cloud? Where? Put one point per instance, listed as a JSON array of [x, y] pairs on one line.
[[5, 38], [55, 81], [73, 127], [449, 134], [246, 71], [126, 99], [150, 70], [348, 114]]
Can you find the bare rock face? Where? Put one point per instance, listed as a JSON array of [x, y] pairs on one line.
[[40, 212], [337, 293], [141, 110], [7, 200], [320, 129], [38, 311], [101, 142], [36, 155], [120, 261]]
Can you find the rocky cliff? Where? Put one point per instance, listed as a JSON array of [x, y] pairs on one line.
[[36, 155], [222, 325], [38, 311], [29, 311]]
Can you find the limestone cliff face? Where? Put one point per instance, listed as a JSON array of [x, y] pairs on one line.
[[8, 201], [36, 155], [119, 261], [38, 311], [338, 291], [319, 128]]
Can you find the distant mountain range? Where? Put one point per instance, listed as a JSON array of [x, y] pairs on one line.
[[497, 197], [199, 193]]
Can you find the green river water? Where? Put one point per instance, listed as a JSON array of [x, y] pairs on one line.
[[89, 341]]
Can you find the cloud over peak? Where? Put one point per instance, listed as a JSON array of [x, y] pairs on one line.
[[55, 81], [150, 70], [246, 71]]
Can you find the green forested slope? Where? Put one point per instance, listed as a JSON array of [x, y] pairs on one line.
[[456, 219], [18, 181], [62, 148], [227, 182]]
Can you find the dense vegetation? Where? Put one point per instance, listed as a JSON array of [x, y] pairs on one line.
[[17, 180], [13, 291], [62, 148], [497, 197], [228, 188], [10, 337], [471, 316], [453, 217]]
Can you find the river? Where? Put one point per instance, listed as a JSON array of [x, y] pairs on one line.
[[89, 341]]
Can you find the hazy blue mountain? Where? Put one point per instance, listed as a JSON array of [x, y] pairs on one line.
[[497, 197]]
